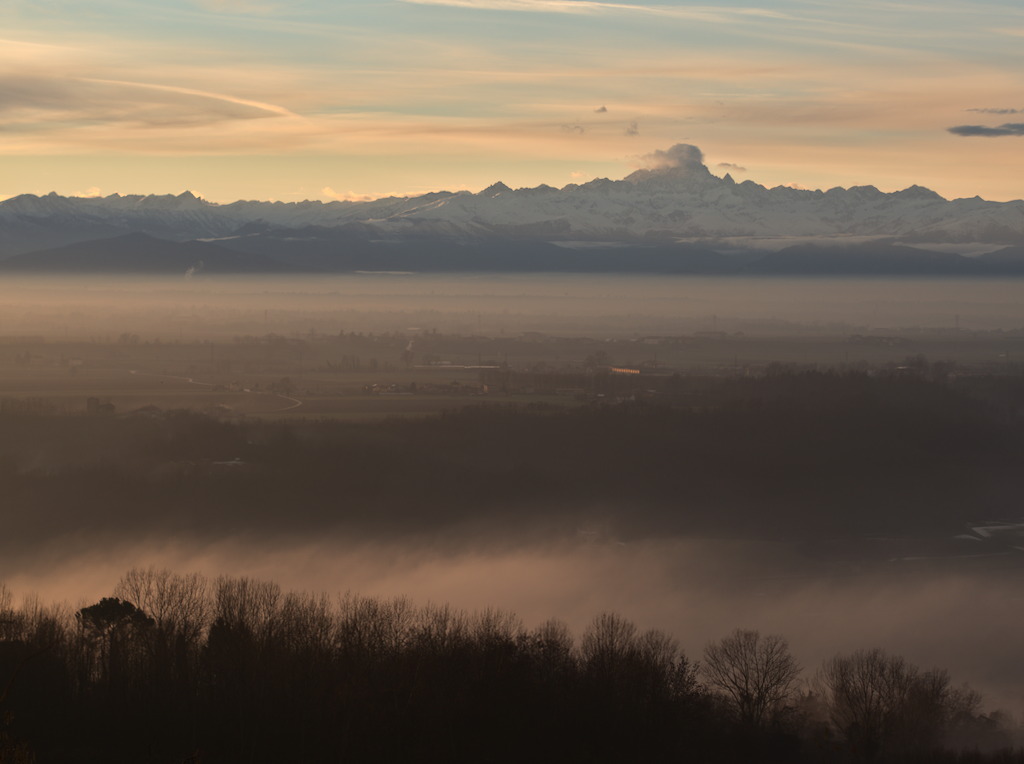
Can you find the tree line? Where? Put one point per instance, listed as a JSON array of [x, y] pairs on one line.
[[183, 668]]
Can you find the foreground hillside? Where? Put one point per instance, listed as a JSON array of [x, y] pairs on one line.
[[236, 670]]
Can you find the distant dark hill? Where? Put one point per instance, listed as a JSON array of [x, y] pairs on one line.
[[1007, 260], [29, 234], [266, 248], [869, 258], [139, 253], [310, 249], [357, 247]]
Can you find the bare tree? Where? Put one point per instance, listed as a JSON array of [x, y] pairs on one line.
[[755, 673], [306, 623], [10, 621], [247, 604], [372, 626], [496, 628], [440, 629], [608, 642], [552, 644], [180, 604], [881, 703]]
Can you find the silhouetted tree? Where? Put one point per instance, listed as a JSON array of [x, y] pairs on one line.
[[882, 704], [755, 673], [114, 628]]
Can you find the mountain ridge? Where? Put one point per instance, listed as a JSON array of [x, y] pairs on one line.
[[675, 201]]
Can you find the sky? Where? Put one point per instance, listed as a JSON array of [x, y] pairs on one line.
[[346, 99]]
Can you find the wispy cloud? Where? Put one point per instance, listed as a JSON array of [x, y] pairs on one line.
[[731, 166], [238, 6], [996, 111], [23, 53], [533, 6], [705, 13], [47, 101], [1012, 128], [248, 109], [351, 196]]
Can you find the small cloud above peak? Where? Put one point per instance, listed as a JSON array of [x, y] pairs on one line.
[[682, 156], [679, 161], [731, 167]]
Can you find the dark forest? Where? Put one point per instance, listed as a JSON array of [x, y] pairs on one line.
[[176, 667]]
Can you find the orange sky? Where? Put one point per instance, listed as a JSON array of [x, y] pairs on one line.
[[316, 99]]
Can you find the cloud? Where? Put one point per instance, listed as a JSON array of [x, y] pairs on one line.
[[1011, 128], [237, 6], [601, 110], [352, 196], [347, 196], [92, 192], [996, 111], [21, 53], [731, 166], [693, 13], [682, 155], [41, 101], [633, 129], [535, 6], [578, 129]]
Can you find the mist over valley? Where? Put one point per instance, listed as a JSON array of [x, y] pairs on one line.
[[809, 457]]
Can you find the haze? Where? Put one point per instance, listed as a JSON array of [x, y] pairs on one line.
[[167, 343], [85, 307]]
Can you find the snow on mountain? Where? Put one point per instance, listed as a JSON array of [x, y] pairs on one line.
[[676, 198]]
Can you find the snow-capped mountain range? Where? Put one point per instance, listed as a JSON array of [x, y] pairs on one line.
[[679, 200]]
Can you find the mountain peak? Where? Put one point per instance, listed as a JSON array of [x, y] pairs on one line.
[[680, 162], [494, 189], [919, 192]]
